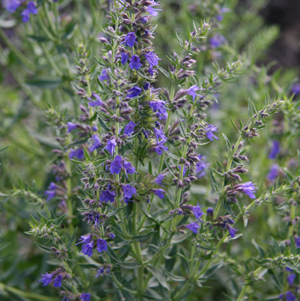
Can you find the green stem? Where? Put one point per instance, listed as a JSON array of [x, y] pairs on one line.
[[242, 293], [15, 50], [24, 294]]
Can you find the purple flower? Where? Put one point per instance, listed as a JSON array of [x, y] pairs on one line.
[[150, 71], [159, 107], [193, 227], [57, 281], [85, 239], [297, 242], [146, 86], [135, 62], [111, 145], [210, 129], [97, 143], [51, 191], [129, 128], [210, 211], [291, 278], [201, 166], [159, 179], [160, 148], [159, 134], [129, 191], [160, 193], [31, 9], [198, 212], [85, 297], [79, 153], [12, 5], [71, 126], [98, 101], [274, 172], [231, 231], [107, 196], [134, 92], [87, 249], [130, 39], [247, 188], [103, 271], [274, 150], [124, 58], [104, 75], [289, 296], [101, 245], [116, 165], [111, 235], [192, 91], [46, 279], [94, 128], [153, 11], [217, 41], [296, 89], [152, 58], [129, 169]]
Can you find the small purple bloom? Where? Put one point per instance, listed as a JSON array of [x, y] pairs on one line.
[[150, 71], [159, 107], [289, 296], [194, 227], [87, 249], [85, 239], [129, 169], [135, 62], [160, 193], [12, 5], [111, 235], [111, 145], [129, 128], [71, 126], [192, 91], [79, 153], [46, 279], [274, 150], [104, 75], [98, 101], [153, 11], [159, 134], [94, 128], [198, 212], [130, 39], [51, 191], [217, 41], [97, 143], [210, 211], [210, 129], [124, 58], [101, 245], [146, 86], [296, 89], [129, 191], [134, 92], [107, 196], [159, 179], [31, 9], [116, 165], [247, 188], [85, 297], [291, 278], [274, 172], [160, 148], [57, 281], [152, 58], [231, 231], [201, 166]]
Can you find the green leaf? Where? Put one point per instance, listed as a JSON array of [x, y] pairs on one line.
[[112, 254], [173, 277], [103, 124], [143, 238], [40, 39], [45, 83], [259, 249], [158, 274], [43, 248]]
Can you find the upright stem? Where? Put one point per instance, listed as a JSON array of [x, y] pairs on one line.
[[242, 293]]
